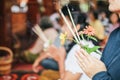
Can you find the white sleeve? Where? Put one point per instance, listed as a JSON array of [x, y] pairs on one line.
[[71, 61]]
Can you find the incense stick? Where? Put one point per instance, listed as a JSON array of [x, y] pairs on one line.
[[39, 32], [68, 25], [73, 22]]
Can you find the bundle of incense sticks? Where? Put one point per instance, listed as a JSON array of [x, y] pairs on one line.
[[73, 22], [77, 38], [40, 33]]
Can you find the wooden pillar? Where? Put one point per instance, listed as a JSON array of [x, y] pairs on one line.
[[5, 27], [33, 10]]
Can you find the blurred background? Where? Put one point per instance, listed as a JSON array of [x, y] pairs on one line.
[[20, 46]]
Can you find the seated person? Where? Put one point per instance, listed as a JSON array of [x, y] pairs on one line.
[[45, 57], [51, 34], [49, 55]]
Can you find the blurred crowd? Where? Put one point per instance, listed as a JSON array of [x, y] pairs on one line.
[[30, 48]]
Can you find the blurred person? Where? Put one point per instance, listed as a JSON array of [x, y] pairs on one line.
[[23, 39], [51, 34], [74, 9], [97, 25], [82, 20], [56, 52], [46, 57], [114, 22], [105, 21], [48, 9], [54, 19], [63, 29], [108, 67], [84, 6], [60, 51]]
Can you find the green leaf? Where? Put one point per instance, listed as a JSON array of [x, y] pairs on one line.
[[89, 50]]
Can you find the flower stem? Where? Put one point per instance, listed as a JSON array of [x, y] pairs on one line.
[[82, 37]]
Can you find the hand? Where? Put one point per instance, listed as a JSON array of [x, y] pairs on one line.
[[36, 67], [89, 64], [57, 53]]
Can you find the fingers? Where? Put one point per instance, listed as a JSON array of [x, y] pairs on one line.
[[80, 60], [35, 68], [88, 57], [81, 65], [89, 64], [84, 52], [83, 61]]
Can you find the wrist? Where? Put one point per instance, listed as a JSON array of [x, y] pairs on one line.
[[99, 75]]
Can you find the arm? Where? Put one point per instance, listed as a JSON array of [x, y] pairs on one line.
[[58, 54], [61, 68], [38, 60]]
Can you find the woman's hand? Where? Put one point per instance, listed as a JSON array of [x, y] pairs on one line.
[[89, 64], [42, 56], [36, 67]]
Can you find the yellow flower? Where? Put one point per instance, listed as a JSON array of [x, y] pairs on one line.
[[63, 37]]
